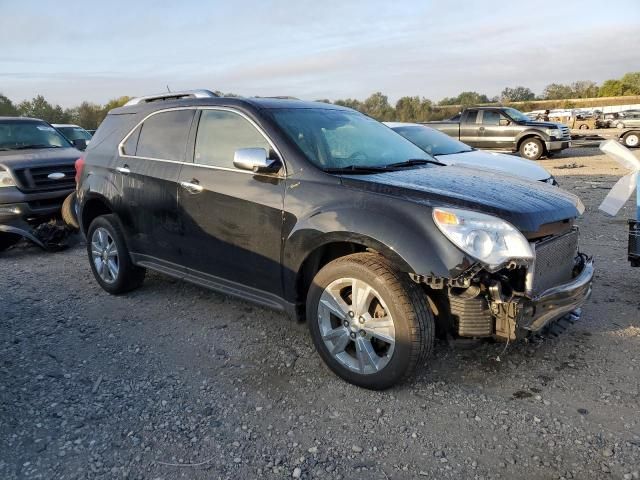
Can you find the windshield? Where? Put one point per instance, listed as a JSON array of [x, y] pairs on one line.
[[341, 138], [432, 141], [74, 133], [516, 115], [24, 134]]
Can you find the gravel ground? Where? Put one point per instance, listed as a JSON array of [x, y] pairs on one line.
[[174, 381]]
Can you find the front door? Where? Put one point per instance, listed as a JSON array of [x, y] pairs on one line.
[[232, 218], [497, 131]]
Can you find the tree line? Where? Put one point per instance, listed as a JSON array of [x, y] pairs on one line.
[[406, 109]]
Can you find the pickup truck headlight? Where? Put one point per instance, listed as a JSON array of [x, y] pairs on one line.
[[489, 239], [6, 180], [554, 132]]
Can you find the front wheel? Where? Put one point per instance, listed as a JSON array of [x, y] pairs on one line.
[[109, 257], [531, 149], [631, 139], [370, 323]]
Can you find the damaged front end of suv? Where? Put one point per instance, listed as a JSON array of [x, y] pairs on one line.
[[520, 283]]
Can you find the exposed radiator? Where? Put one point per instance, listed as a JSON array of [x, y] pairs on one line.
[[555, 259]]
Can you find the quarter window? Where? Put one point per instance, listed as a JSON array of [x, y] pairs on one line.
[[164, 135], [129, 147], [221, 133]]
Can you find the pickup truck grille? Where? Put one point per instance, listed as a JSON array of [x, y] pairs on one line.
[[37, 178], [555, 259], [566, 133]]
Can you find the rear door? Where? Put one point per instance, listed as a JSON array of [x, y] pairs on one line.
[[149, 166], [469, 129], [232, 218]]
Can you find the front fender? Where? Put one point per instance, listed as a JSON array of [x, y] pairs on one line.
[[532, 132], [402, 231]]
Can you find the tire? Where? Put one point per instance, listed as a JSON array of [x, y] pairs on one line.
[[360, 357], [620, 125], [70, 211], [584, 126], [105, 240], [531, 148], [8, 240], [631, 139]]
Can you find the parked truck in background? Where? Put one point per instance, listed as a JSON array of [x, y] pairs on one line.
[[503, 128]]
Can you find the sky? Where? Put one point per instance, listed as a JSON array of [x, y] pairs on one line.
[[70, 51]]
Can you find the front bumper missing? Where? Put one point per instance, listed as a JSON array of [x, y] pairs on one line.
[[554, 303], [523, 315]]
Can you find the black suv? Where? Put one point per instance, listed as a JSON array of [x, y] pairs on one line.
[[330, 216], [37, 173]]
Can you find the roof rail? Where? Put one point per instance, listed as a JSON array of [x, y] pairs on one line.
[[171, 96]]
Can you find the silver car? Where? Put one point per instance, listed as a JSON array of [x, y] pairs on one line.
[[450, 151]]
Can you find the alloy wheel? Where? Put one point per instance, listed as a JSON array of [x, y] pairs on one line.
[[104, 252], [356, 326]]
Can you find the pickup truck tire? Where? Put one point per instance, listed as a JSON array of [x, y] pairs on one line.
[[69, 211], [8, 240], [109, 257], [377, 339], [531, 148], [631, 139]]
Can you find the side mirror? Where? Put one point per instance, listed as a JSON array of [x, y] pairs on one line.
[[80, 143], [503, 122], [254, 159]]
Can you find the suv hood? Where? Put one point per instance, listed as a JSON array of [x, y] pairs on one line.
[[13, 159], [526, 204]]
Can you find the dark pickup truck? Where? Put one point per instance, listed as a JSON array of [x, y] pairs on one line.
[[502, 128]]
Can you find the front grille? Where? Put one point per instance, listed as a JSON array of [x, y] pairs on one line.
[[566, 133], [37, 178], [555, 259]]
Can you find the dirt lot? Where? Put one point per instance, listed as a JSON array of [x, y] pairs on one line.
[[174, 381]]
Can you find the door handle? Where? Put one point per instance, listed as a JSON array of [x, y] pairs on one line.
[[481, 129], [124, 169], [192, 187]]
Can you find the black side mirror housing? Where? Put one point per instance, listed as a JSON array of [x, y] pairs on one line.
[[80, 143]]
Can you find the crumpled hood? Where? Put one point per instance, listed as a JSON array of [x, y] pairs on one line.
[[501, 162], [526, 204], [13, 159]]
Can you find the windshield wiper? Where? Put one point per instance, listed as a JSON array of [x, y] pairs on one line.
[[414, 161], [29, 147], [453, 153], [358, 169]]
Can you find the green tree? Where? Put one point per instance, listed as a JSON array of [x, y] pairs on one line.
[[465, 99], [38, 107], [88, 115], [557, 91], [7, 108], [517, 94], [350, 103], [631, 83], [413, 109], [378, 107], [584, 89], [611, 88]]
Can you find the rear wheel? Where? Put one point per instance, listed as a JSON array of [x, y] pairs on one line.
[[8, 240], [370, 324], [631, 139], [584, 126], [531, 148], [109, 257], [620, 125]]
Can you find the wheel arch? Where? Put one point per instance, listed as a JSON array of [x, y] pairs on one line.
[[92, 207]]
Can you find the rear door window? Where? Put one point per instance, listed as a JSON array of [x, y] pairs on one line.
[[470, 116], [164, 135]]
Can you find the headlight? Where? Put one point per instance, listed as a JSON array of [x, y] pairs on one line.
[[554, 132], [6, 180], [489, 239]]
